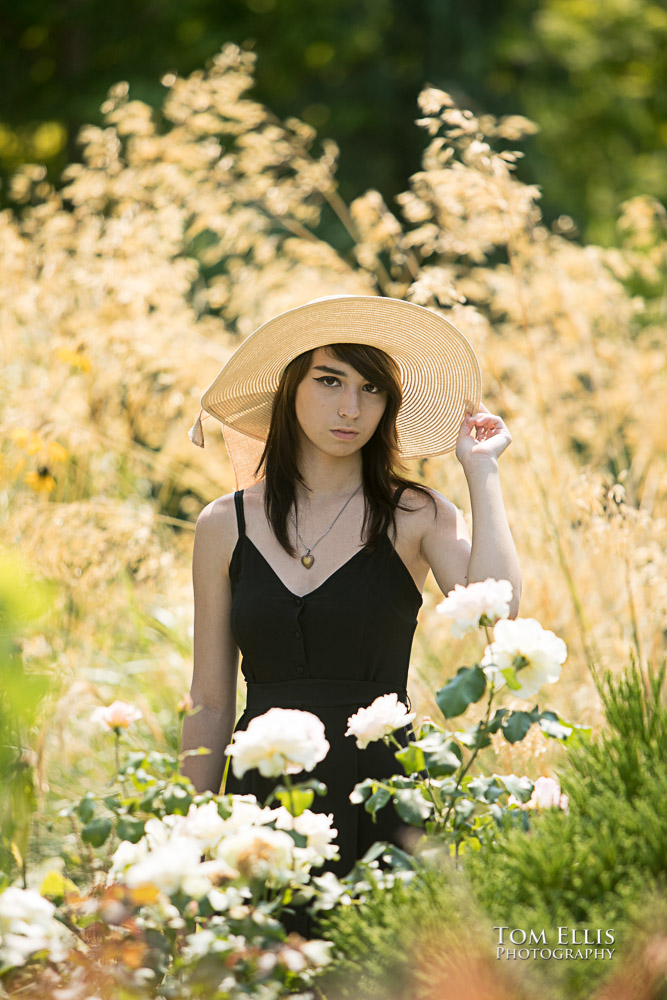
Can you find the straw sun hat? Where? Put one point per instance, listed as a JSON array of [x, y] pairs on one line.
[[440, 374]]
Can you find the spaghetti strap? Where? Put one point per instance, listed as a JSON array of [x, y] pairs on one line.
[[240, 514]]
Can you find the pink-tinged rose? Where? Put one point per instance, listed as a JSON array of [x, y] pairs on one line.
[[117, 715], [546, 795]]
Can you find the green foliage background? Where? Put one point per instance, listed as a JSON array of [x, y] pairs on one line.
[[592, 76]]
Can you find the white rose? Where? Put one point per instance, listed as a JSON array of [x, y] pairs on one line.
[[205, 824], [125, 855], [330, 891], [224, 899], [317, 952], [28, 925], [117, 715], [173, 866], [259, 853], [247, 812], [319, 831], [534, 654], [294, 960], [282, 818], [487, 599], [282, 741], [385, 715], [200, 944], [158, 831]]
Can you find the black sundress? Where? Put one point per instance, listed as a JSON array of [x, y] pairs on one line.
[[330, 652]]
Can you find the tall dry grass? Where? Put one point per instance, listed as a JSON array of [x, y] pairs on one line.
[[182, 230]]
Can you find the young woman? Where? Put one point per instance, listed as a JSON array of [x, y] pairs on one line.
[[315, 570]]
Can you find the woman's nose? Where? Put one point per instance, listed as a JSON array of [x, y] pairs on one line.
[[349, 406]]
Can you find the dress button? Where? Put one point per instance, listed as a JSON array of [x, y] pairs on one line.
[[297, 635], [300, 669]]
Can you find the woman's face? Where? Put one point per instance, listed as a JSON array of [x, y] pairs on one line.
[[333, 398]]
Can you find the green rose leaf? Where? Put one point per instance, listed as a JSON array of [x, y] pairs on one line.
[[520, 787], [176, 799], [147, 802], [300, 839], [362, 790], [86, 808], [466, 687], [510, 677], [399, 859], [444, 760], [412, 807], [133, 760], [96, 832], [493, 725], [374, 851], [485, 789], [475, 737], [377, 801], [551, 726], [411, 758], [569, 732], [299, 800], [401, 781], [317, 786], [130, 829], [515, 726], [463, 808]]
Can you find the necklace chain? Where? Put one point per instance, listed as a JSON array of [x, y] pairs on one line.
[[307, 559]]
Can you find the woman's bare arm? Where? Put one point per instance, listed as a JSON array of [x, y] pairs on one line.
[[215, 652]]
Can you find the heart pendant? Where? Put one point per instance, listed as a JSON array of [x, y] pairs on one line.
[[307, 560]]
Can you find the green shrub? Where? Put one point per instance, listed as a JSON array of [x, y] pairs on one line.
[[603, 864], [600, 866], [403, 942]]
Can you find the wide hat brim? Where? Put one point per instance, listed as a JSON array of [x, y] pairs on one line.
[[440, 374]]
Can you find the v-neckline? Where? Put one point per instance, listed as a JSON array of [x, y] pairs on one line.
[[315, 589], [347, 562]]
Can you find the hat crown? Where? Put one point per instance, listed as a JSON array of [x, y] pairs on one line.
[[440, 373]]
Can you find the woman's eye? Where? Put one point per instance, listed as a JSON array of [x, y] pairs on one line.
[[371, 388], [327, 379]]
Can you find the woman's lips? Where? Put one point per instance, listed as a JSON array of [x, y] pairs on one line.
[[345, 435]]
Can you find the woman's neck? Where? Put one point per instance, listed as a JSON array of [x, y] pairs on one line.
[[325, 477]]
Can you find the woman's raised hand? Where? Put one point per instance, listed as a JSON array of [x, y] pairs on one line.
[[492, 437]]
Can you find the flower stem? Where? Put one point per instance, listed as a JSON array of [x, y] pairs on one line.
[[476, 750], [290, 792]]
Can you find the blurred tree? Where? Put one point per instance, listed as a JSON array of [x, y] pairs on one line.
[[351, 69], [591, 74]]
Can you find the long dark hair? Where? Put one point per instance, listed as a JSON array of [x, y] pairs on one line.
[[382, 469]]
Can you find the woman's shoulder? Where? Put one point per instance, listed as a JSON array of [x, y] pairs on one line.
[[418, 496], [424, 507], [216, 527]]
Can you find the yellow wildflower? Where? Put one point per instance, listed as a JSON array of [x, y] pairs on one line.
[[41, 481], [77, 359], [56, 452]]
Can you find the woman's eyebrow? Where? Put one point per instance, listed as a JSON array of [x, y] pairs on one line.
[[330, 371]]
